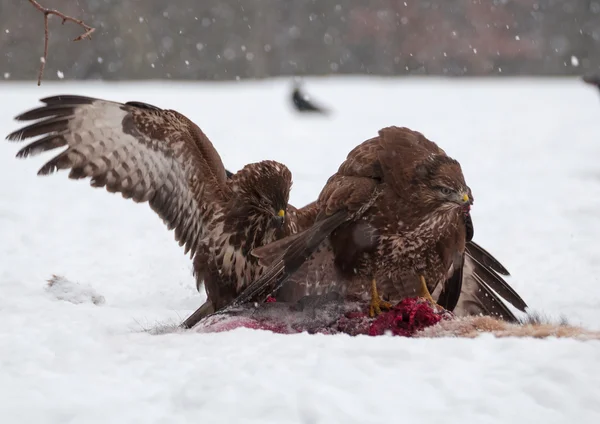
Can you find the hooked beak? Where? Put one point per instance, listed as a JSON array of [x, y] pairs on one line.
[[465, 201], [279, 218]]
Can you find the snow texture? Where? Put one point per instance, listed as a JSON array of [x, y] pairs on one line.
[[529, 150], [70, 291]]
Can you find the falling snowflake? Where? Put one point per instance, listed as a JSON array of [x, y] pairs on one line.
[[574, 61], [60, 75]]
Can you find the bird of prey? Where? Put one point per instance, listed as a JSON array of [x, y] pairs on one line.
[[302, 102], [393, 220], [161, 157]]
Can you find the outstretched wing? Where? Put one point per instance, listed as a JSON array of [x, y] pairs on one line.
[[284, 257], [316, 276], [143, 152]]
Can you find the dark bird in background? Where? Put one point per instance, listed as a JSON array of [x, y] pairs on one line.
[[394, 220], [302, 102], [161, 157], [592, 80]]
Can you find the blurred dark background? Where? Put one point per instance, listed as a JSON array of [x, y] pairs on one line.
[[231, 39]]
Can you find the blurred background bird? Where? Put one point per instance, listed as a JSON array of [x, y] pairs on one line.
[[302, 102]]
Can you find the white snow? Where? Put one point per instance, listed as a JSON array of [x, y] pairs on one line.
[[530, 150], [72, 291]]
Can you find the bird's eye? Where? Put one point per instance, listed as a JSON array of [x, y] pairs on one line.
[[445, 191]]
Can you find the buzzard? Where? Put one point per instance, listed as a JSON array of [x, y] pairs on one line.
[[161, 157], [394, 220]]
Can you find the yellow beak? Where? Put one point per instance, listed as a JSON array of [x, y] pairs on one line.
[[465, 198], [281, 213]]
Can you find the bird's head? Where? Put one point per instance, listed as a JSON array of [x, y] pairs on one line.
[[265, 188], [440, 184]]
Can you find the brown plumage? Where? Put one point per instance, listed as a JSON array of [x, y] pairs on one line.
[[396, 211], [159, 156]]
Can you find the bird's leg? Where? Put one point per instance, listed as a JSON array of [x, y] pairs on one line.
[[376, 303], [424, 291]]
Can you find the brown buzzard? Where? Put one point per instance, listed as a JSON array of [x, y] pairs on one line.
[[161, 157], [394, 219]]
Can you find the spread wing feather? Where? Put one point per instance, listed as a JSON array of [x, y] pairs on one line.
[[296, 250], [478, 299], [143, 152], [476, 288], [491, 279], [485, 258], [483, 290], [316, 276]]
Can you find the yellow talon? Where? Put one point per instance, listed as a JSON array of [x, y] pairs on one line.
[[376, 303], [424, 293]]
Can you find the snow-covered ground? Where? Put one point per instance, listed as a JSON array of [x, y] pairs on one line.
[[530, 150]]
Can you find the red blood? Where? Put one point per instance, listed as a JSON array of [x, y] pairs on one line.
[[406, 318], [270, 299]]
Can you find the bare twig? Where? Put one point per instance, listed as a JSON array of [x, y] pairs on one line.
[[47, 12]]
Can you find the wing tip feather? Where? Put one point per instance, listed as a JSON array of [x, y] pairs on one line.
[[71, 99]]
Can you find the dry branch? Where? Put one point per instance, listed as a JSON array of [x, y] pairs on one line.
[[47, 12]]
